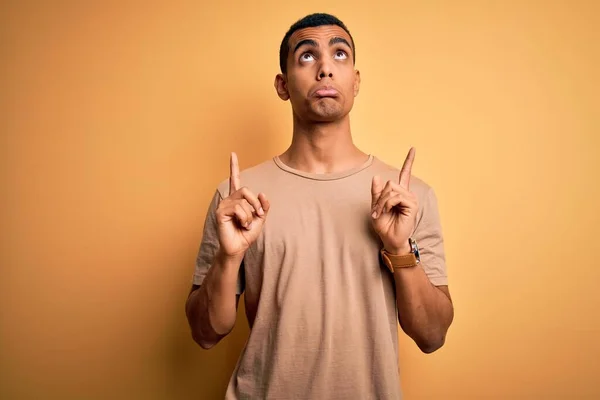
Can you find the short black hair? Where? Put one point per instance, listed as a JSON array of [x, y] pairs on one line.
[[310, 21]]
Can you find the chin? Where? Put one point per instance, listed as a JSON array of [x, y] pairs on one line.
[[328, 112], [320, 117]]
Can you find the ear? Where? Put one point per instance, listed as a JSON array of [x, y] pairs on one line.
[[356, 82], [281, 87]]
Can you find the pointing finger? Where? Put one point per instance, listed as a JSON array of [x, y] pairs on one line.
[[234, 174], [405, 172]]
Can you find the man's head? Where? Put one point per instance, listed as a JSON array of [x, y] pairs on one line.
[[317, 58], [310, 21]]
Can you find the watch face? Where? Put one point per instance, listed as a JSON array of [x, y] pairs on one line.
[[415, 249]]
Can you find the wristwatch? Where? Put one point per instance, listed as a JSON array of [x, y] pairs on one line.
[[393, 261]]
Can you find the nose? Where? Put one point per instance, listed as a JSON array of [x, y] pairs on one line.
[[325, 70]]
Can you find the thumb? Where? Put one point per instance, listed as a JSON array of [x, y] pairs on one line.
[[376, 189]]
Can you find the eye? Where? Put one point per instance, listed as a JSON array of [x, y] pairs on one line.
[[341, 55], [307, 57]]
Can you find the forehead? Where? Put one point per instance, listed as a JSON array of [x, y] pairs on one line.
[[319, 33]]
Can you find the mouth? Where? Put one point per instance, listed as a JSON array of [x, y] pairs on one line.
[[326, 91]]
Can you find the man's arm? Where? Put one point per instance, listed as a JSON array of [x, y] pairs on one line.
[[211, 308], [232, 225], [425, 311]]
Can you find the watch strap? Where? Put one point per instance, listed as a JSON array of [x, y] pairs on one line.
[[394, 261]]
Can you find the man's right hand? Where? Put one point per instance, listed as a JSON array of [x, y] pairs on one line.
[[240, 216]]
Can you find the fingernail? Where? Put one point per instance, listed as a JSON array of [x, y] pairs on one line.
[[249, 226], [374, 215], [261, 211]]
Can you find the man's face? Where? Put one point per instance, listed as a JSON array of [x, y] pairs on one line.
[[320, 82]]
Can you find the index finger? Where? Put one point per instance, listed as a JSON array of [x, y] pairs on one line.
[[234, 174], [405, 172]]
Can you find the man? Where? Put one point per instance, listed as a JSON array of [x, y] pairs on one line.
[[327, 266]]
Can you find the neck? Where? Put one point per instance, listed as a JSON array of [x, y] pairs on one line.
[[322, 148]]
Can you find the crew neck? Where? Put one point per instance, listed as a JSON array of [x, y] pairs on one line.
[[326, 176]]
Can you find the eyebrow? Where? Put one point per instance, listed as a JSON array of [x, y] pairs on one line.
[[307, 42], [312, 43], [338, 39]]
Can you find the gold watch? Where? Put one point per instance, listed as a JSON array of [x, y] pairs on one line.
[[393, 261]]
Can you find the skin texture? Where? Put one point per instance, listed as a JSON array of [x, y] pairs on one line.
[[321, 84]]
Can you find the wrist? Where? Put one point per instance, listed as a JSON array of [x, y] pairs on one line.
[[398, 251], [395, 257], [228, 260]]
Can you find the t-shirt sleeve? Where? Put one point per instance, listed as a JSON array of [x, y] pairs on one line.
[[210, 245], [429, 238]]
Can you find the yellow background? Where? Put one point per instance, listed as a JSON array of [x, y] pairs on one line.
[[117, 121]]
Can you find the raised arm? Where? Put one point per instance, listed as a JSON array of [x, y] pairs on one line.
[[425, 311], [211, 307]]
